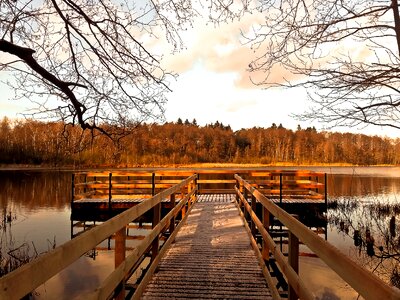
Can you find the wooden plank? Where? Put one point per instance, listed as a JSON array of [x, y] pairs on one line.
[[213, 181], [216, 191], [107, 287], [211, 246], [153, 266], [261, 260], [294, 280]]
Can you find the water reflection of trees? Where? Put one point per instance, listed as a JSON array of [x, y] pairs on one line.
[[345, 185], [20, 192], [34, 190], [374, 229]]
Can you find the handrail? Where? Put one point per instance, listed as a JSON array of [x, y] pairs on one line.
[[293, 278], [364, 282], [209, 181], [25, 279], [112, 281]]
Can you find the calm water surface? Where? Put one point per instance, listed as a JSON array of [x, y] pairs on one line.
[[35, 208]]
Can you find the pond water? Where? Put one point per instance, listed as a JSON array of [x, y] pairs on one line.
[[35, 212]]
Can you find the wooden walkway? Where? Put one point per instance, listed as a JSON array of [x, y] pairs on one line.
[[211, 258]]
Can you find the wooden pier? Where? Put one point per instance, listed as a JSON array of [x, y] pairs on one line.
[[211, 235], [206, 260]]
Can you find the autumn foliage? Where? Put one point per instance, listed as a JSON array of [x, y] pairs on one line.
[[54, 144]]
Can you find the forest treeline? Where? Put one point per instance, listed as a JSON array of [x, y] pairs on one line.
[[54, 144]]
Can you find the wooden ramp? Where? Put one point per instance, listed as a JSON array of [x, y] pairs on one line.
[[211, 258]]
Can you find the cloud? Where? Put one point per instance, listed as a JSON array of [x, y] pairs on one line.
[[238, 105], [222, 49], [218, 48]]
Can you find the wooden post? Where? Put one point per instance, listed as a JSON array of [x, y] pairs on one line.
[[197, 183], [84, 189], [280, 188], [253, 208], [183, 210], [129, 189], [326, 203], [156, 220], [326, 190], [265, 220], [237, 195], [172, 224], [293, 259], [280, 205], [197, 186], [241, 190], [95, 179], [120, 247], [73, 188], [153, 184], [244, 207], [189, 189], [109, 190]]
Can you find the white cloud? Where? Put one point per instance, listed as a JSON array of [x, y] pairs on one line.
[[209, 96]]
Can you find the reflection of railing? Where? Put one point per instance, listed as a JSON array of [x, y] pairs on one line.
[[365, 283], [19, 283]]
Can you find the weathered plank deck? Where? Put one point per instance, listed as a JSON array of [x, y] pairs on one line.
[[211, 258]]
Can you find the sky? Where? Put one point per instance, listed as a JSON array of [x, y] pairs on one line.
[[214, 84]]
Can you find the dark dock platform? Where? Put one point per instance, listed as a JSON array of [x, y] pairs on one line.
[[211, 258]]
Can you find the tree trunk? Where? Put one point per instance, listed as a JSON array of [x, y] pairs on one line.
[[396, 16]]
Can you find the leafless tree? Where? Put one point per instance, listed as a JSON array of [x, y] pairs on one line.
[[346, 53], [90, 62]]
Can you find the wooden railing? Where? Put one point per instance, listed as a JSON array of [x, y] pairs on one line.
[[275, 184], [364, 282], [27, 278]]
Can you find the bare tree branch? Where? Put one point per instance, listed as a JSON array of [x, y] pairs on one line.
[[345, 53], [91, 59]]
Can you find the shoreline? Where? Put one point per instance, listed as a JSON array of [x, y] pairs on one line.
[[339, 168]]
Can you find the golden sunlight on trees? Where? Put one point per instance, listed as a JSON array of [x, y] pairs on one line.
[[53, 144], [346, 53]]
